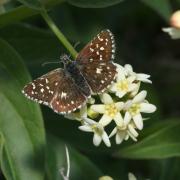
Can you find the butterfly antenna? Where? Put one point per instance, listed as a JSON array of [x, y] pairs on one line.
[[55, 62], [76, 44]]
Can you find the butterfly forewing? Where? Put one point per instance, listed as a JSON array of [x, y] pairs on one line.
[[95, 61], [56, 90], [44, 88], [100, 49]]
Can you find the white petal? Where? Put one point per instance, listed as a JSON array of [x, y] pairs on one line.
[[126, 136], [99, 108], [120, 76], [91, 100], [135, 91], [138, 121], [85, 128], [144, 78], [128, 68], [120, 94], [127, 105], [131, 79], [131, 176], [147, 108], [119, 105], [132, 87], [70, 116], [119, 137], [89, 121], [132, 130], [127, 118], [173, 32], [132, 136], [121, 70], [113, 87], [83, 112], [106, 139], [106, 98], [114, 131], [140, 97], [105, 120], [97, 139], [118, 119]]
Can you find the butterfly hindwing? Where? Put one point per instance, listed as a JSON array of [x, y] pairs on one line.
[[95, 61], [68, 97]]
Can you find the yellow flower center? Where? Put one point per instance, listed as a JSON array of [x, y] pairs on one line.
[[122, 127], [134, 109], [97, 129], [122, 85], [111, 110]]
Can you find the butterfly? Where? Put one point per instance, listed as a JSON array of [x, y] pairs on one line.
[[68, 89]]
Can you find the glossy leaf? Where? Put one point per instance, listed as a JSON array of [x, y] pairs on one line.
[[162, 7], [93, 3], [22, 12], [160, 141], [80, 166], [34, 4], [21, 122]]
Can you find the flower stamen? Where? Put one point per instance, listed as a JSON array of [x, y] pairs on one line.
[[134, 109], [111, 110], [122, 85]]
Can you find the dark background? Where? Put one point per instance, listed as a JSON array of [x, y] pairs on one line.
[[140, 42]]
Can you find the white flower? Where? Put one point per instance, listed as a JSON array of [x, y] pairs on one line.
[[138, 105], [124, 129], [138, 76], [98, 130], [173, 32], [123, 84], [131, 176], [110, 109], [105, 178], [79, 116]]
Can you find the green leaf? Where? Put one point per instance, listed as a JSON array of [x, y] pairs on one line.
[[163, 7], [21, 122], [160, 141], [34, 4], [80, 166], [23, 12], [93, 3]]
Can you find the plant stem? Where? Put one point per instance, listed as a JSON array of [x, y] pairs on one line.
[[59, 34]]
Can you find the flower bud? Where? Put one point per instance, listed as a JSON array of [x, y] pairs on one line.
[[175, 19]]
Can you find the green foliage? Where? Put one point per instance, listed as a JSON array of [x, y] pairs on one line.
[[24, 152], [93, 3], [163, 7], [21, 124], [35, 4], [162, 141], [80, 166]]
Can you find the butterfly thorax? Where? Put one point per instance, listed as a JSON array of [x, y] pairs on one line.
[[71, 68]]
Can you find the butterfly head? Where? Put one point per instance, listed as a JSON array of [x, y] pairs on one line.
[[65, 59]]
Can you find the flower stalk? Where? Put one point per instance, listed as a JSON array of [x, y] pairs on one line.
[[59, 34]]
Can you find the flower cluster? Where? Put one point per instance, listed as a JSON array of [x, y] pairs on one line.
[[121, 105]]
